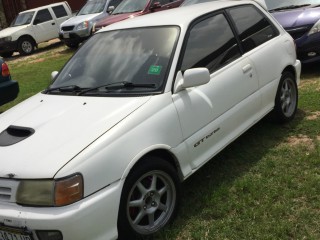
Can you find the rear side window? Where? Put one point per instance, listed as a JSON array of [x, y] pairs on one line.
[[252, 26], [43, 16], [211, 44], [60, 11]]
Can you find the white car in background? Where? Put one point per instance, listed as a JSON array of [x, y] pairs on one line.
[[140, 107], [32, 27]]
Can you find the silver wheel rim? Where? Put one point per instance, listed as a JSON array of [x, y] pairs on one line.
[[288, 97], [151, 202], [26, 46]]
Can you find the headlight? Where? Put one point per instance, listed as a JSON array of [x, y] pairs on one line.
[[83, 25], [315, 28], [50, 193]]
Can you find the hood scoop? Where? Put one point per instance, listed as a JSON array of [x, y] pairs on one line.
[[14, 134]]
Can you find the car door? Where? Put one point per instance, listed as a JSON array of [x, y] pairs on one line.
[[263, 46], [60, 13], [212, 115], [44, 26]]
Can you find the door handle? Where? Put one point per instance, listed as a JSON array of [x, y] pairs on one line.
[[247, 68], [53, 23]]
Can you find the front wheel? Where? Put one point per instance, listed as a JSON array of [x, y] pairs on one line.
[[72, 45], [26, 46], [286, 101], [149, 199]]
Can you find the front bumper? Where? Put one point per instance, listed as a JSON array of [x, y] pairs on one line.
[[94, 217], [8, 46], [8, 91], [308, 48], [75, 36]]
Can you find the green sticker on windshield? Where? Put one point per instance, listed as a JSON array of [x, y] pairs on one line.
[[155, 70]]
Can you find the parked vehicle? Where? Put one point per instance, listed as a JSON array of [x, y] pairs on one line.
[[134, 8], [191, 2], [140, 107], [79, 28], [32, 27], [302, 20], [9, 88]]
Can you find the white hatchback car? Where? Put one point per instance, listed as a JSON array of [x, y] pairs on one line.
[[140, 107]]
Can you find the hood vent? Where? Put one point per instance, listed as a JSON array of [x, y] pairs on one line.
[[14, 134]]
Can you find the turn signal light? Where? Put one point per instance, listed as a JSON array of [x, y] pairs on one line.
[[68, 190]]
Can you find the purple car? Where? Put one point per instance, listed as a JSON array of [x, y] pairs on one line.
[[300, 18]]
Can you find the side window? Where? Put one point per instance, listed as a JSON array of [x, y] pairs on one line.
[[211, 44], [252, 26], [43, 16], [60, 11], [114, 3]]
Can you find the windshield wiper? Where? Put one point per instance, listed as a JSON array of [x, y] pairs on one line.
[[69, 88], [289, 7], [119, 85]]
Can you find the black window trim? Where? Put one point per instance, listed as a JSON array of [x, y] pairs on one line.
[[232, 25], [187, 35], [234, 28]]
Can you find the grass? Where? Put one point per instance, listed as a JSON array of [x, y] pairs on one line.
[[265, 185]]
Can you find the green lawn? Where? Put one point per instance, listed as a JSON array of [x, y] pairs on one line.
[[266, 185]]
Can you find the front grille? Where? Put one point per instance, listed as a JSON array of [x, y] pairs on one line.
[[67, 28], [298, 32], [8, 189]]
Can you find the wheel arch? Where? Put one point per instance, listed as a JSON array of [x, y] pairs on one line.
[[27, 36], [162, 152], [292, 70]]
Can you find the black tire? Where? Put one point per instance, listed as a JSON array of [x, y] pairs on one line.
[[72, 45], [6, 54], [286, 101], [26, 46], [146, 208]]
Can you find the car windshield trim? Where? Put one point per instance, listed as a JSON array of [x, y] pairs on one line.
[[116, 86], [289, 7], [141, 67]]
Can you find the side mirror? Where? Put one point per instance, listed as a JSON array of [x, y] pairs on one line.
[[36, 21], [155, 5], [110, 9], [191, 78], [54, 75]]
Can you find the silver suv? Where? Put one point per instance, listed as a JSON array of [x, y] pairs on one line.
[[78, 28]]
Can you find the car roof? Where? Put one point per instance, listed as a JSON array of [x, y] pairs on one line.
[[42, 7], [182, 16]]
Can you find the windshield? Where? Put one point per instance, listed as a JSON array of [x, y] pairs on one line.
[[92, 6], [274, 4], [138, 56], [22, 19], [129, 6]]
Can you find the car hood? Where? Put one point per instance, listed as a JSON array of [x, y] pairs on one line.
[[80, 18], [63, 126], [298, 17], [117, 18], [11, 30]]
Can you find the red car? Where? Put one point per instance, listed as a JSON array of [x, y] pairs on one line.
[[133, 8]]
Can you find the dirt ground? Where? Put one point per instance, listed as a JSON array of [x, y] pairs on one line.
[[53, 46]]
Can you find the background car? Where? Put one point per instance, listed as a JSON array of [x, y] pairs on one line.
[[79, 28], [32, 27], [139, 108], [9, 88], [302, 20], [133, 8]]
